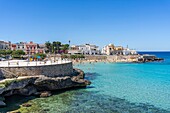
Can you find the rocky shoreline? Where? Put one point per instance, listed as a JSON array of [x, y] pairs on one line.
[[40, 85], [118, 59]]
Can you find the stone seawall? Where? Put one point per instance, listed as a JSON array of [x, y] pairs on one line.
[[57, 70]]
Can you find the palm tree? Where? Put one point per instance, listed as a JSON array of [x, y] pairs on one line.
[[54, 46], [58, 45]]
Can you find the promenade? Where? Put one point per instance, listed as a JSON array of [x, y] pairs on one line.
[[23, 63]]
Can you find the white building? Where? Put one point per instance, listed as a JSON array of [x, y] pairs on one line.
[[128, 51], [4, 45], [74, 49], [21, 46], [117, 50], [86, 49]]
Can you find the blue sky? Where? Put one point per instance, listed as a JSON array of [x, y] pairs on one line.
[[141, 24]]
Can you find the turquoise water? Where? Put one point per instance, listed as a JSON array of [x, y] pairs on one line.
[[115, 88], [137, 83], [147, 83]]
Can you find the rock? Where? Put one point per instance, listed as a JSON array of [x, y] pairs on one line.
[[27, 105], [45, 94], [39, 85], [87, 82], [37, 93], [14, 111], [2, 104], [28, 90], [17, 84], [2, 98]]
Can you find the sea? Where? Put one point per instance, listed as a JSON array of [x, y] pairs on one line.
[[115, 88]]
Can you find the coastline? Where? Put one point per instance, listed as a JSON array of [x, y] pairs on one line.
[[93, 98], [80, 79], [40, 85], [114, 59]]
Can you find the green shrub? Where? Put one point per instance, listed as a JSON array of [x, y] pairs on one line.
[[64, 56], [77, 56], [16, 56], [41, 55]]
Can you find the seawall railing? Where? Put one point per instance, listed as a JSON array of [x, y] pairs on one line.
[[23, 63]]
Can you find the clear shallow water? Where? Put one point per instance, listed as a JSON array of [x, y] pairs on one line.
[[116, 88], [139, 83]]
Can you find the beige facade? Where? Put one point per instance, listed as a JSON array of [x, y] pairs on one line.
[[117, 50], [108, 49]]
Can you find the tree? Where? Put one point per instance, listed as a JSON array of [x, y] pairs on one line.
[[5, 52], [48, 46], [2, 52], [18, 52], [56, 46], [8, 52], [65, 47]]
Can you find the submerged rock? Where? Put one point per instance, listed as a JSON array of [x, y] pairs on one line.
[[27, 105], [45, 94], [2, 104]]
